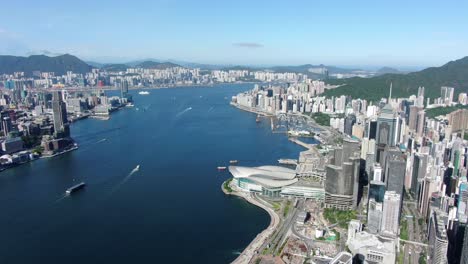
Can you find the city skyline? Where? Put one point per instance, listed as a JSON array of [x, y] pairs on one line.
[[259, 33]]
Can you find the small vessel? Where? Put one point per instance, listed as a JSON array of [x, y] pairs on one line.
[[143, 93], [137, 167], [257, 119], [75, 188], [233, 161], [221, 168]]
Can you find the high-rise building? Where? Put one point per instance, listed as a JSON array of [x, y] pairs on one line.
[[61, 126], [375, 199], [395, 168], [6, 125], [391, 214], [458, 120], [456, 240], [350, 120], [446, 94], [418, 173], [124, 89], [377, 172], [464, 255], [437, 237], [342, 181], [421, 123], [386, 130], [374, 216], [413, 117], [462, 206], [376, 191]]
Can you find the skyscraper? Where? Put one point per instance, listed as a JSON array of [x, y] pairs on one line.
[[6, 125], [446, 94], [387, 127], [464, 255], [124, 89], [350, 120], [374, 216], [413, 117], [438, 237], [341, 185], [391, 214], [395, 167], [61, 126]]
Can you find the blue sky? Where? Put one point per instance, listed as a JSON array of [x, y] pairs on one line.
[[370, 32]]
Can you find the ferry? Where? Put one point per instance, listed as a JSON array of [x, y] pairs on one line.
[[75, 188], [143, 93], [221, 168], [233, 161]]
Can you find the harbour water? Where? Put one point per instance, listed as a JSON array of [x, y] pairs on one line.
[[170, 210]]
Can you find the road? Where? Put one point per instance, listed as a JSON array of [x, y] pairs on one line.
[[412, 251], [285, 226]]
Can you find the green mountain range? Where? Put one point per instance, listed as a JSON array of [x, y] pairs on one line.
[[115, 67], [156, 65], [59, 64], [453, 74]]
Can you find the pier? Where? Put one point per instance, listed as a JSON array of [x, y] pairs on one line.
[[287, 161], [301, 143]]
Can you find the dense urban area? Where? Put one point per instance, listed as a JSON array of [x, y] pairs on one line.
[[385, 181], [378, 182]]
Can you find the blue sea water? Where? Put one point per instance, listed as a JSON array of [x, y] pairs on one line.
[[169, 211]]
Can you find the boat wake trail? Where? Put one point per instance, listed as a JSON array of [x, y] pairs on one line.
[[61, 198], [124, 180], [102, 140], [185, 111], [211, 108]]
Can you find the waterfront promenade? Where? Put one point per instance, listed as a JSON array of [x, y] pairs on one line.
[[251, 110], [252, 249]]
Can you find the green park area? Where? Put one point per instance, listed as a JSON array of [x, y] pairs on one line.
[[321, 119], [226, 185], [404, 230], [441, 111], [342, 218]]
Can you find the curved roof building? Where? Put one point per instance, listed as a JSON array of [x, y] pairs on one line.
[[264, 176]]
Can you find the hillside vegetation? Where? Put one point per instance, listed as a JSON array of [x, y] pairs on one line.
[[59, 64], [453, 74]]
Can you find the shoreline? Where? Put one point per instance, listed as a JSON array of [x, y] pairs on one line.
[[75, 147], [251, 110], [195, 85], [252, 249]]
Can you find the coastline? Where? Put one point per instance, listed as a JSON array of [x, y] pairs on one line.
[[251, 110], [75, 147], [154, 87], [252, 249]]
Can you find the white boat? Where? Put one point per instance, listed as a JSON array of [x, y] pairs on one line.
[[143, 93], [137, 167], [221, 168], [75, 188]]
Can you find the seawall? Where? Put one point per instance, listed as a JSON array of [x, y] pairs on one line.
[[251, 250]]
